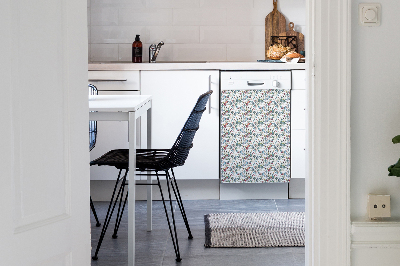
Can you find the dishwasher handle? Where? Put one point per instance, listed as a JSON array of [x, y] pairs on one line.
[[249, 83]]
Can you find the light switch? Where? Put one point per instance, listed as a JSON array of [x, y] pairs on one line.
[[369, 14]]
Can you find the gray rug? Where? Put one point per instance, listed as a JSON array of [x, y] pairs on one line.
[[271, 229]]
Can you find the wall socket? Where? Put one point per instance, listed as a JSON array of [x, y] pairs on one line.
[[378, 206]]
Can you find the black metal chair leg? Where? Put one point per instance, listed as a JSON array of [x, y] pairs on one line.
[[176, 247], [174, 185], [178, 257], [120, 212], [94, 213], [109, 214]]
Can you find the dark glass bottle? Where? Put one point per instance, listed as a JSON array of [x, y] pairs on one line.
[[137, 49]]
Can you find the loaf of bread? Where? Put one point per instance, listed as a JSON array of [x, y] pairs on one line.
[[277, 51], [293, 55]]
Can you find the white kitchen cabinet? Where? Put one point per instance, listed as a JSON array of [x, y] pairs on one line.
[[174, 96], [298, 109], [298, 124], [298, 152], [112, 134]]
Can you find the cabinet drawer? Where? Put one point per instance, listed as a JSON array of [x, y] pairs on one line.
[[115, 80], [298, 79]]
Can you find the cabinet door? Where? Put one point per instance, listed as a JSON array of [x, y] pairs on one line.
[[298, 109], [174, 96], [298, 154]]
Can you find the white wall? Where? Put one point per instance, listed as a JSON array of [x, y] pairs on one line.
[[375, 108], [193, 30], [375, 120]]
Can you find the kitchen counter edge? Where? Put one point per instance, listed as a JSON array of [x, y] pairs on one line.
[[195, 66]]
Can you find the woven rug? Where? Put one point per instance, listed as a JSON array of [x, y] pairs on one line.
[[273, 229]]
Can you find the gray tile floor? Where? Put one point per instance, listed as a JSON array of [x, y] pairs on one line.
[[155, 248]]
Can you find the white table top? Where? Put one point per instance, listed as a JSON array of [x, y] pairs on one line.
[[115, 103]]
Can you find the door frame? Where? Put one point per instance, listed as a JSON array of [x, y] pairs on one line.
[[328, 221]]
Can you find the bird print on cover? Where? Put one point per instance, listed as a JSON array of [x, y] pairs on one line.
[[255, 136]]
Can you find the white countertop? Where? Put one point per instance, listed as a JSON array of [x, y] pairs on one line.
[[196, 66]]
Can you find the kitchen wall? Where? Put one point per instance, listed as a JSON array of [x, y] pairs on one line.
[[375, 108], [375, 120], [193, 30]]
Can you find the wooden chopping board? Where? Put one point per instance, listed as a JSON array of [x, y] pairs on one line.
[[292, 32], [275, 23]]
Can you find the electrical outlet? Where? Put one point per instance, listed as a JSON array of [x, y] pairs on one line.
[[378, 206]]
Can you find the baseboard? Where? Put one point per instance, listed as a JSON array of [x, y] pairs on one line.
[[101, 190], [297, 188], [253, 191]]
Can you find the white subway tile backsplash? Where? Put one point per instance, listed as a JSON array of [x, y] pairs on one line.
[[294, 10], [224, 34], [105, 16], [199, 52], [172, 3], [245, 52], [119, 3], [125, 52], [229, 4], [258, 35], [246, 17], [199, 16], [104, 52], [214, 3], [115, 34], [145, 17], [265, 5], [88, 16], [192, 30], [239, 4], [173, 34], [89, 52]]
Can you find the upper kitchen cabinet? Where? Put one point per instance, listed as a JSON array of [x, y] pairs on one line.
[[174, 96]]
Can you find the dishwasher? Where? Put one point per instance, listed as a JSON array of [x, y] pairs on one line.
[[255, 126]]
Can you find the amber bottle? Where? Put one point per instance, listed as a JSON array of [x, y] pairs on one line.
[[137, 50]]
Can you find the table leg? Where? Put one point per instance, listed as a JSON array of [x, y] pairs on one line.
[[132, 190], [149, 178]]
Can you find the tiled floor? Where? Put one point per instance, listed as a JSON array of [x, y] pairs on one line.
[[155, 248]]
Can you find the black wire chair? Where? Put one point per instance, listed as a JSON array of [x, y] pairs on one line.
[[154, 160], [92, 143]]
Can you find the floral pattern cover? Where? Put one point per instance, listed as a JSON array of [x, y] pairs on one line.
[[255, 136]]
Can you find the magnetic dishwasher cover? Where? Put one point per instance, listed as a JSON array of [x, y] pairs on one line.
[[255, 126]]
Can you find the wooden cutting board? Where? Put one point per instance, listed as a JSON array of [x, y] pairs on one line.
[[275, 23], [292, 32]]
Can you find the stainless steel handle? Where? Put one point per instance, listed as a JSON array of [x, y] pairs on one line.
[[209, 99], [254, 83], [100, 80]]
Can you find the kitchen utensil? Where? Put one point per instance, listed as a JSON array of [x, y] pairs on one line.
[[300, 37], [275, 23]]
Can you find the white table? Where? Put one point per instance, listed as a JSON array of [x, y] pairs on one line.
[[127, 108]]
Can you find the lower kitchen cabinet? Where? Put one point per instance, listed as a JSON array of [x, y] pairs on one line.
[[174, 96], [298, 135]]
